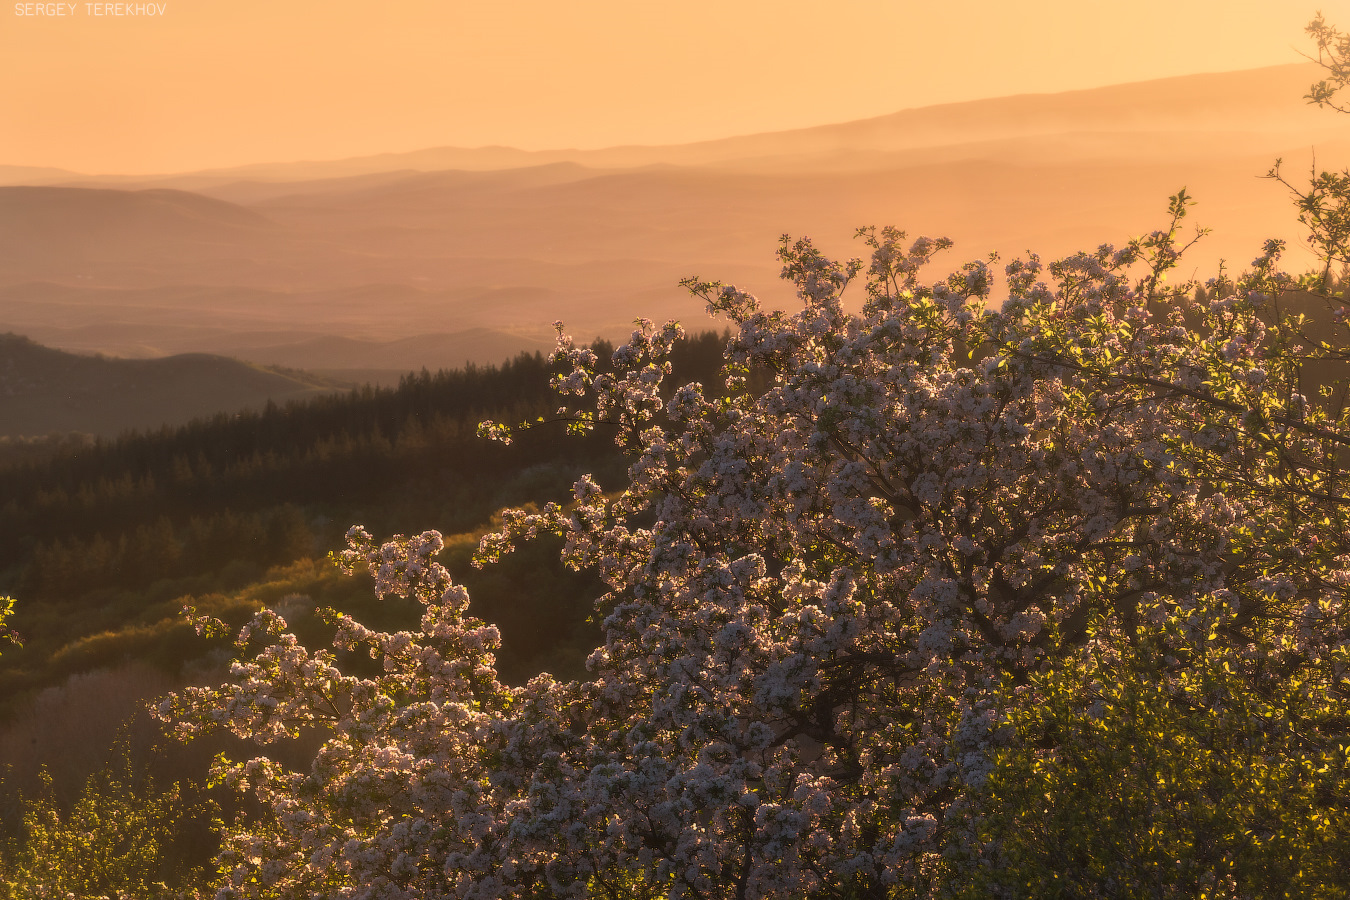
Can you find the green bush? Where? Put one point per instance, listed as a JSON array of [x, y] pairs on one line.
[[125, 837]]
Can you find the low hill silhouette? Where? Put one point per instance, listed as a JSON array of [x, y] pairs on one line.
[[43, 391]]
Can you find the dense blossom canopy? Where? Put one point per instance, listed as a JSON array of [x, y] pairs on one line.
[[909, 559]]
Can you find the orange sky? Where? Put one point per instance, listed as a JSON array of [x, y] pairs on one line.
[[227, 82]]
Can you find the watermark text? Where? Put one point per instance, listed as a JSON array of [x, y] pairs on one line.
[[96, 10]]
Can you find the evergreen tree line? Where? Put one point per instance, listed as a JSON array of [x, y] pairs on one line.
[[146, 505], [204, 545], [105, 538]]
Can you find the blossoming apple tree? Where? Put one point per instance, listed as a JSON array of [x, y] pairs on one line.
[[934, 557], [1028, 583]]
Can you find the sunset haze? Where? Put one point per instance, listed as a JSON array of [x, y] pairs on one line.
[[209, 84]]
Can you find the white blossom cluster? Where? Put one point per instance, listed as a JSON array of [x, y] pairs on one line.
[[825, 595]]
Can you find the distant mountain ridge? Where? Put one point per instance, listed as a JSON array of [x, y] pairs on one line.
[[446, 256], [1263, 100]]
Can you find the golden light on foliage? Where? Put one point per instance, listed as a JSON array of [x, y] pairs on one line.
[[1025, 578]]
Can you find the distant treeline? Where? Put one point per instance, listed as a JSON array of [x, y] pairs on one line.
[[212, 504], [332, 452]]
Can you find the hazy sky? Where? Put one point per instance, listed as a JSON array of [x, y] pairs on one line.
[[206, 83]]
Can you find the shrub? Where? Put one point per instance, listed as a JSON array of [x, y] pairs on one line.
[[120, 839]]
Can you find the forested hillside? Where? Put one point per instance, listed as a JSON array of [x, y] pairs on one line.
[[104, 542]]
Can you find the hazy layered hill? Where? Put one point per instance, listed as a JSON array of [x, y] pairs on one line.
[[446, 256], [298, 329], [44, 390], [77, 223]]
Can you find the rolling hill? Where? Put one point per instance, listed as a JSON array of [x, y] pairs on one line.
[[44, 390]]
